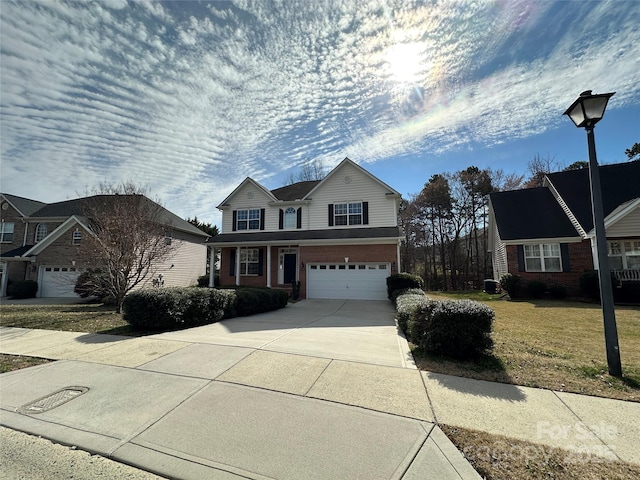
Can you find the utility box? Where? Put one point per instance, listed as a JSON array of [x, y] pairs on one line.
[[491, 286]]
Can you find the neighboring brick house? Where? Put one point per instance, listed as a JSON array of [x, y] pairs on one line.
[[338, 237], [547, 233], [41, 242]]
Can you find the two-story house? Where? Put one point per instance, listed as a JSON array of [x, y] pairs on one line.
[[547, 233], [42, 242], [338, 237]]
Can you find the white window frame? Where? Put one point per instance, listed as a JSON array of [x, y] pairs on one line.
[[624, 249], [249, 261], [42, 230], [290, 218], [347, 213], [250, 219], [7, 228], [76, 238], [539, 252]]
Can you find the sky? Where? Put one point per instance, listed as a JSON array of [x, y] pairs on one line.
[[188, 98]]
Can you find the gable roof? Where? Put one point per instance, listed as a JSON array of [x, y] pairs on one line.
[[295, 191], [78, 206], [531, 213], [619, 183], [348, 161], [25, 206], [246, 181]]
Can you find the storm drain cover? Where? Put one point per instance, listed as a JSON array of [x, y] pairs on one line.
[[53, 400]]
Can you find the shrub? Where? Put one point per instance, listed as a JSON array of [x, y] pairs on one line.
[[629, 291], [558, 292], [252, 300], [406, 307], [401, 281], [536, 288], [590, 284], [405, 291], [511, 284], [203, 280], [94, 283], [170, 308], [458, 329], [295, 290], [20, 289]]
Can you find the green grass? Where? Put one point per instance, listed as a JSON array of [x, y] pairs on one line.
[[551, 344], [88, 318]]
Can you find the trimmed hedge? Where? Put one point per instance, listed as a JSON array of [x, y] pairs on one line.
[[511, 284], [536, 288], [258, 300], [402, 281], [405, 291], [459, 329], [171, 308], [20, 289]]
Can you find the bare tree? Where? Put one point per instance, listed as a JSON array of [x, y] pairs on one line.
[[130, 238], [309, 171], [538, 167]]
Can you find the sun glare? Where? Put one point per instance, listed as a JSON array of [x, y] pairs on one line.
[[406, 62]]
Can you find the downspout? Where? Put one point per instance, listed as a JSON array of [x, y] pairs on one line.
[[26, 230], [212, 272]]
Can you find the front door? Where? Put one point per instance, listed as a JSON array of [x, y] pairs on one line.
[[289, 268]]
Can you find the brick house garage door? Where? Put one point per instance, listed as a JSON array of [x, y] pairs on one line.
[[352, 281], [58, 281]]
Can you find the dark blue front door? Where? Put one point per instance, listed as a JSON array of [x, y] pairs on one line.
[[289, 268]]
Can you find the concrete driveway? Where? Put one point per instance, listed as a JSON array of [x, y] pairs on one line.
[[353, 330]]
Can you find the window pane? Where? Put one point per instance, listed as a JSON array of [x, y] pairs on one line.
[[254, 224], [355, 219], [252, 268], [254, 214], [533, 264], [242, 224], [290, 218], [551, 250], [355, 208], [552, 264], [632, 248], [531, 250], [633, 262], [243, 214], [614, 248], [615, 262], [340, 209], [340, 220]]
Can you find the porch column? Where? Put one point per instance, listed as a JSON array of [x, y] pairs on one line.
[[269, 266], [212, 267], [238, 265]]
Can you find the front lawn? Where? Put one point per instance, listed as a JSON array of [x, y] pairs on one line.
[[551, 344]]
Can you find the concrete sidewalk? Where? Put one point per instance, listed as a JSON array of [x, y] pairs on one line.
[[180, 404]]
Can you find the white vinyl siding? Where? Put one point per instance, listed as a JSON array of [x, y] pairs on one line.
[[249, 197], [361, 187], [629, 226]]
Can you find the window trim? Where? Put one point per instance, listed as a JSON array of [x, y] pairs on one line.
[[290, 219], [245, 262], [42, 230], [3, 231], [541, 256], [624, 254], [76, 237], [348, 215], [248, 220]]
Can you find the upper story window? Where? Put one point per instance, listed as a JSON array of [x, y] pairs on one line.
[[542, 258], [77, 237], [290, 218], [6, 232], [248, 219], [347, 213], [41, 231], [624, 255]]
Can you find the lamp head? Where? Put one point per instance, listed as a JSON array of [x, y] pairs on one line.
[[588, 109]]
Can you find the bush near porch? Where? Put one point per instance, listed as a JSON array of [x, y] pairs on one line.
[[174, 308]]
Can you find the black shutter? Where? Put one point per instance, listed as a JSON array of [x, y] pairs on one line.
[[365, 213], [262, 219], [299, 218], [281, 220], [235, 220], [331, 214], [521, 266], [232, 259], [564, 256], [260, 260]]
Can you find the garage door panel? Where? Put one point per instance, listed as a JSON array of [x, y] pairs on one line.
[[58, 281], [348, 281]]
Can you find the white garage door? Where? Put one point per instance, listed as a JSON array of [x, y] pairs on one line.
[[353, 281], [58, 281]]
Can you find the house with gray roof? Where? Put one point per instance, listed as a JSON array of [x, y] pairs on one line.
[[547, 233], [338, 237], [42, 242]]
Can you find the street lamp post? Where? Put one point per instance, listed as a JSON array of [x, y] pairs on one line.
[[585, 112]]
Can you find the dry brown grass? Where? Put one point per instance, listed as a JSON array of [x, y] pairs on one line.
[[500, 458], [552, 344], [8, 363]]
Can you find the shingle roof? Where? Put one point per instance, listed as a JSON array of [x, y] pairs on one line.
[[17, 252], [619, 184], [79, 206], [297, 235], [530, 213], [294, 191], [26, 206]]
